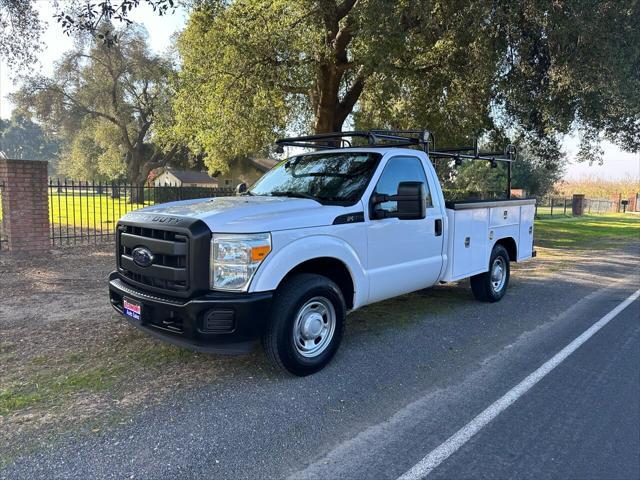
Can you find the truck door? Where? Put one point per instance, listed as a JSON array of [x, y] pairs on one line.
[[403, 255]]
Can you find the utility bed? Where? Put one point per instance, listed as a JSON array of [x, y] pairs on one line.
[[475, 226]]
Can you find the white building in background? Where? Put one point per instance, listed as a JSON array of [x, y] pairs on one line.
[[185, 178], [246, 170]]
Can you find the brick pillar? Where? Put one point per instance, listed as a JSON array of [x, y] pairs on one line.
[[577, 205], [615, 198], [25, 205]]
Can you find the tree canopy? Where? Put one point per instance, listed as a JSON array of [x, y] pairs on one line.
[[20, 28], [21, 25], [255, 69]]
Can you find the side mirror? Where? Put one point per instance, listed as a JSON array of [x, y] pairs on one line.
[[411, 198], [241, 188]]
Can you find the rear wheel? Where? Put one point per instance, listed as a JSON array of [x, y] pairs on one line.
[[306, 324], [492, 285]]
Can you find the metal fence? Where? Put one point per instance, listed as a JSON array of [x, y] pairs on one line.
[[3, 238], [600, 205], [554, 206], [82, 212]]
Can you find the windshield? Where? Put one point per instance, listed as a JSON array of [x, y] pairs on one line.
[[326, 177]]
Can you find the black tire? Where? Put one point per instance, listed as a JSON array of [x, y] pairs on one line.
[[482, 286], [296, 296]]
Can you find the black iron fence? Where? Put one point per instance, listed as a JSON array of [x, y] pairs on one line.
[[3, 238], [82, 212]]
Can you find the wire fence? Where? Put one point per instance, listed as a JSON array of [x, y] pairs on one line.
[[82, 212], [600, 206], [562, 206], [553, 206], [3, 237]]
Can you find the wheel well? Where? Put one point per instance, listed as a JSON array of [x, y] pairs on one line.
[[331, 268], [510, 245]]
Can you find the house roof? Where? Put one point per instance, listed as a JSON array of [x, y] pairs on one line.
[[263, 164], [191, 176]]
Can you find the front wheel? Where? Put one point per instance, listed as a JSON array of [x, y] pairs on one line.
[[492, 285], [306, 324]]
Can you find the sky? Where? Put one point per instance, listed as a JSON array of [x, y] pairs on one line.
[[618, 164]]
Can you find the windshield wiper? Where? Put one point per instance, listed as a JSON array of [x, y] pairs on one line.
[[294, 195]]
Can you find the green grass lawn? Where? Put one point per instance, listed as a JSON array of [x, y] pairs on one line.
[[558, 210], [588, 231], [94, 212]]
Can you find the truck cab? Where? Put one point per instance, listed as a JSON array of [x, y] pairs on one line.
[[321, 234]]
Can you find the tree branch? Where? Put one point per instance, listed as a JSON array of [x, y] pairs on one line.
[[351, 97], [161, 159], [345, 8]]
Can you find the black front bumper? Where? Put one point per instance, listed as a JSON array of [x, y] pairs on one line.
[[216, 322]]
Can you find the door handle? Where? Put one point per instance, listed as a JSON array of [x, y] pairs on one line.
[[438, 227]]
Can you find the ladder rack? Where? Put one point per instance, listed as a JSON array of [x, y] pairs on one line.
[[402, 138]]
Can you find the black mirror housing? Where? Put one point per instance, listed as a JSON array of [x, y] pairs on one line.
[[241, 188], [411, 198]]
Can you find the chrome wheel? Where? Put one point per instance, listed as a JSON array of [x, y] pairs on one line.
[[498, 274], [314, 327]]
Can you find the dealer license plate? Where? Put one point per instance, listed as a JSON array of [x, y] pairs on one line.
[[132, 309]]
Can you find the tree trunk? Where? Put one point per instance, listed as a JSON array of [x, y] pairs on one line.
[[137, 194], [330, 111], [327, 104], [136, 176]]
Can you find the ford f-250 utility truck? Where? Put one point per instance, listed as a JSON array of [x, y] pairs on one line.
[[320, 234]]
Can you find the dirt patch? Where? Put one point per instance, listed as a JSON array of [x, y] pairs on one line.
[[68, 358]]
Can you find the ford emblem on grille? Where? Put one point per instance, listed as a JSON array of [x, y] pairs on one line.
[[142, 256]]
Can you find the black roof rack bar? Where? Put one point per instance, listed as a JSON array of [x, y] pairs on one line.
[[397, 138], [394, 138], [324, 136], [481, 156], [457, 149], [284, 143], [399, 133]]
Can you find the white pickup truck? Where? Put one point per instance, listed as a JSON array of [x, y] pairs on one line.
[[319, 235]]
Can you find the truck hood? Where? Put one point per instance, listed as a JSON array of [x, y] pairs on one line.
[[248, 214]]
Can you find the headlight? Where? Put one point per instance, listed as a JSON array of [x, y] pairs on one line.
[[235, 258]]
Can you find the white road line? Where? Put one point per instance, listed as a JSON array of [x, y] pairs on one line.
[[462, 436]]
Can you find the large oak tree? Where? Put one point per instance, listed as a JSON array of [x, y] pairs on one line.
[[253, 69], [121, 89]]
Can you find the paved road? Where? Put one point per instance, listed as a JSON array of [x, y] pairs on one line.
[[394, 394]]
